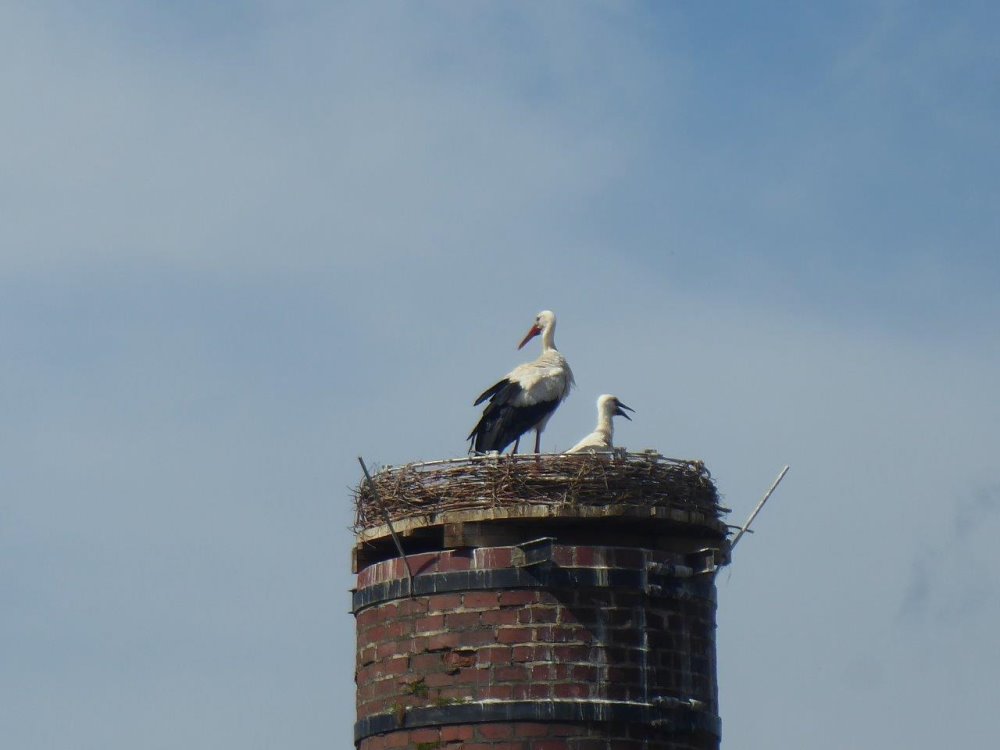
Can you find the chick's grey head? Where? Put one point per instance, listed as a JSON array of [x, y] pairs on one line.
[[612, 405]]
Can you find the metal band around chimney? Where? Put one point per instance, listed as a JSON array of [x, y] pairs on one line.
[[536, 577], [663, 720]]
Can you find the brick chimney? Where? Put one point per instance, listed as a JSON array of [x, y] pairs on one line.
[[540, 622]]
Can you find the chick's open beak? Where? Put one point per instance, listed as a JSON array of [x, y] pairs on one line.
[[621, 413]]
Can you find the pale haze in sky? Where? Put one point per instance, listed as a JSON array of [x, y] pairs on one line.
[[242, 243]]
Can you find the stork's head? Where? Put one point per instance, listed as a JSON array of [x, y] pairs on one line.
[[544, 321], [610, 405]]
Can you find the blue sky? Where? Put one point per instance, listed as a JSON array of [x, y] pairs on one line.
[[244, 243]]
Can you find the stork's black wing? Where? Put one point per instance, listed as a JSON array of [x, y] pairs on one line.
[[503, 422]]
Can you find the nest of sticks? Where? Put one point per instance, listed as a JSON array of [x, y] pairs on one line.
[[490, 481]]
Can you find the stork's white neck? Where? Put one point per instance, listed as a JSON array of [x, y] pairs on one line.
[[549, 337], [605, 424]]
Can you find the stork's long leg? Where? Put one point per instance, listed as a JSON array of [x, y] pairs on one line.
[[516, 443], [538, 441]]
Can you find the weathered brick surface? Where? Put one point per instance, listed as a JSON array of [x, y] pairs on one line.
[[592, 644]]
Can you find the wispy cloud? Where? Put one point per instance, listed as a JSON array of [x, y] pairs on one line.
[[951, 579]]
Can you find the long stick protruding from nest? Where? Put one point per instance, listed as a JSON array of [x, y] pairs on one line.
[[388, 521], [756, 510]]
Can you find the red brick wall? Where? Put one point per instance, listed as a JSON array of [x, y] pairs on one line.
[[595, 644]]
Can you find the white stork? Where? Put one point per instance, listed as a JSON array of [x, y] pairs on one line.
[[599, 440], [526, 397]]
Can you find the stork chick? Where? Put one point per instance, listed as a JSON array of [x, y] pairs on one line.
[[600, 440]]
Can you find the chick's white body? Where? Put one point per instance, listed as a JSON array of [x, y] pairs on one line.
[[601, 440]]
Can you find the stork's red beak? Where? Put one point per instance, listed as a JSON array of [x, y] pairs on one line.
[[535, 330]]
